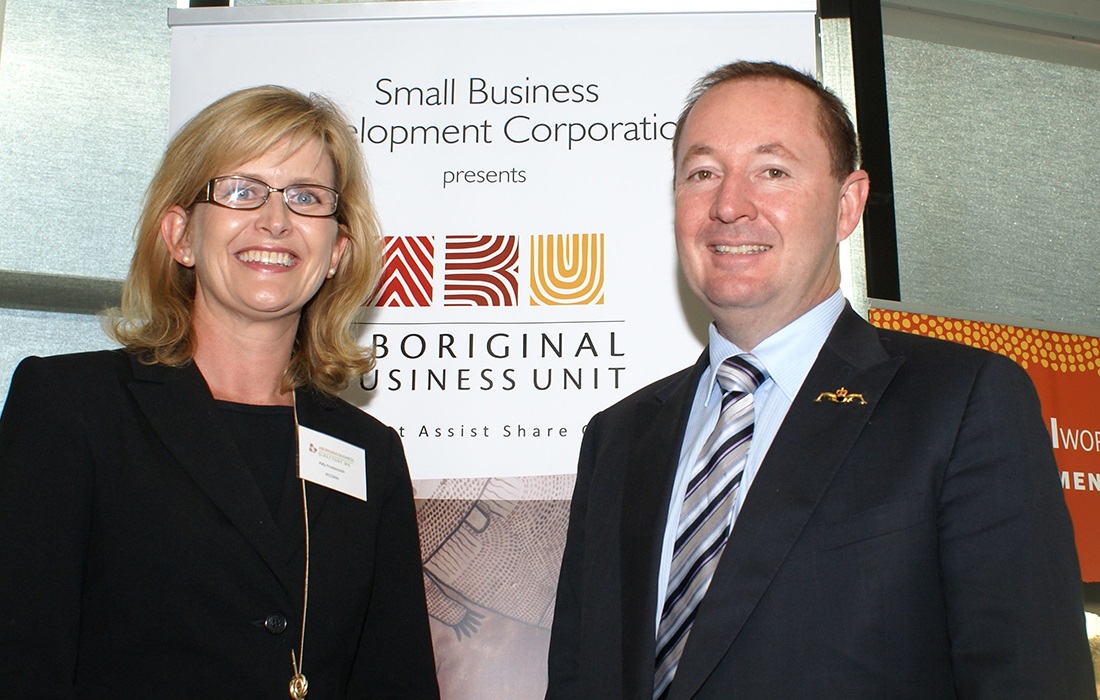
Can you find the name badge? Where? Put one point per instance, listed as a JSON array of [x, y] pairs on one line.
[[332, 463]]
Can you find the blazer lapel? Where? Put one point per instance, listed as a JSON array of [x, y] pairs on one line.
[[178, 405], [810, 446], [650, 472]]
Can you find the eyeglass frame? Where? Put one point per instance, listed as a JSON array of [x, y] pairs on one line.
[[206, 196]]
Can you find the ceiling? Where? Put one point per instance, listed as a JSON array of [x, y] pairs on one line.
[[1059, 31]]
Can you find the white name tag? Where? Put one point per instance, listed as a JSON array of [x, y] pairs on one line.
[[332, 463]]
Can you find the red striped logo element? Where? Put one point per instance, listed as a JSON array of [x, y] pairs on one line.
[[481, 271], [407, 275]]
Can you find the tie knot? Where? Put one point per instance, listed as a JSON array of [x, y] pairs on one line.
[[740, 373]]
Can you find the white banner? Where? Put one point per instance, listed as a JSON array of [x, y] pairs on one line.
[[521, 167]]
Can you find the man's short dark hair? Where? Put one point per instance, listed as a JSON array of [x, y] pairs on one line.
[[836, 126]]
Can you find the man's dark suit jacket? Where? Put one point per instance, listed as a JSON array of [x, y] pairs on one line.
[[916, 546], [138, 558]]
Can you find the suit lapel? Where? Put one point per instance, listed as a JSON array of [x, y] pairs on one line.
[[659, 424], [178, 405], [810, 446]]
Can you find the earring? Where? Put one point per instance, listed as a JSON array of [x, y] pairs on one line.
[[331, 272], [186, 259]]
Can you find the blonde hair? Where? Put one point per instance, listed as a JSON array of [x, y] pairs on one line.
[[154, 318]]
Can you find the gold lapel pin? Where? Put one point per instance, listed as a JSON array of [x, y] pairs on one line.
[[841, 395]]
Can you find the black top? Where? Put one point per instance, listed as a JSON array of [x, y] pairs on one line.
[[265, 436]]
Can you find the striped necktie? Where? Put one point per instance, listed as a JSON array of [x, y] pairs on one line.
[[705, 519]]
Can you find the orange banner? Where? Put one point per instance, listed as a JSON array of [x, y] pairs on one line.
[[1065, 368]]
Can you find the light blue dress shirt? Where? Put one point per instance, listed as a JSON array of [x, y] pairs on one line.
[[786, 356]]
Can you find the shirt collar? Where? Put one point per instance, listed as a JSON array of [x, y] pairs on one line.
[[787, 354]]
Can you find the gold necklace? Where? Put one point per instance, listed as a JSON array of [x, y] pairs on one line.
[[299, 686]]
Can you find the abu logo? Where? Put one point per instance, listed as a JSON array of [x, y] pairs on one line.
[[563, 270]]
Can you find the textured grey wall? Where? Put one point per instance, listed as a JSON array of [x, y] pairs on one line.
[[84, 89], [996, 175], [84, 95]]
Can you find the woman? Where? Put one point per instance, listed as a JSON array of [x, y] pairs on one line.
[[152, 520]]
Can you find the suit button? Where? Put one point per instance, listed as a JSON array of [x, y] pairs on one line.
[[275, 623]]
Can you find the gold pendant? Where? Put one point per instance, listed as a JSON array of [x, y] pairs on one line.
[[299, 686]]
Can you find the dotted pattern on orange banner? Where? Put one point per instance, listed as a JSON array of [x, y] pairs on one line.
[[1061, 352]]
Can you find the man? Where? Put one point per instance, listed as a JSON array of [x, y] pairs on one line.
[[898, 527]]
